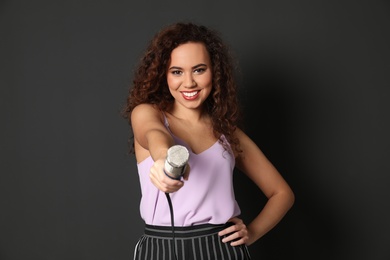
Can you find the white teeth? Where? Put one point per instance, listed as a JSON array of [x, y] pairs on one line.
[[190, 94]]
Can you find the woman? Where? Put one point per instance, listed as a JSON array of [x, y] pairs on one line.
[[184, 93]]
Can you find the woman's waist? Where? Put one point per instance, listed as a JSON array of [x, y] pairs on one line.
[[186, 231]]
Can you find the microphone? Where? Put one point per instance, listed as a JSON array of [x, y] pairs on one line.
[[174, 168], [175, 164]]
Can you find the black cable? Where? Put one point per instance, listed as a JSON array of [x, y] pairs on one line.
[[173, 226]]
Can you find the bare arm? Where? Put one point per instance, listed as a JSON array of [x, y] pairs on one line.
[[280, 197], [149, 131], [152, 138]]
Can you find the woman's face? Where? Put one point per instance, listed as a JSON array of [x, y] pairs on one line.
[[189, 75]]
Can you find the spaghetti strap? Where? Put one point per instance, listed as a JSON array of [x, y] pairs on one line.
[[165, 120]]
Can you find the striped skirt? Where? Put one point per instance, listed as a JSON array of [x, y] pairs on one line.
[[200, 242]]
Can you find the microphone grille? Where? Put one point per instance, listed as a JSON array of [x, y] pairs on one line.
[[177, 156]]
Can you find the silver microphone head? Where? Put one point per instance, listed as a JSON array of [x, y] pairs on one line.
[[177, 158]]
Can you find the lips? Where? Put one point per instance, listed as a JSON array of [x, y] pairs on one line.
[[190, 95]]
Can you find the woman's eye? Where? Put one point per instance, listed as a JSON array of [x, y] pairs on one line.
[[176, 72], [200, 70]]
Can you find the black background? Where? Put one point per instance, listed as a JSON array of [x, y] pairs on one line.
[[314, 78]]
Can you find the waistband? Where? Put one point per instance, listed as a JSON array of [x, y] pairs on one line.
[[185, 232]]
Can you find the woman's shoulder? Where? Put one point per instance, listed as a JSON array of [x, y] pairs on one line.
[[243, 139], [239, 133], [146, 110], [146, 113]]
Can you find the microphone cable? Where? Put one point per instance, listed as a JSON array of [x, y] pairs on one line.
[[177, 158], [173, 241]]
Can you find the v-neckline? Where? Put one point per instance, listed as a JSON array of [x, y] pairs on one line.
[[189, 147], [184, 142]]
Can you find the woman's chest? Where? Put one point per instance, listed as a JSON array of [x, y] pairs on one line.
[[198, 138]]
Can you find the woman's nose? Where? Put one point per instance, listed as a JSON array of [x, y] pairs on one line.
[[189, 81]]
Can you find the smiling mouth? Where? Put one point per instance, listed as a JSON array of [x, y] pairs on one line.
[[190, 95]]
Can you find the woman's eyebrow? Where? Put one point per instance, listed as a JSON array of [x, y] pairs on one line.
[[199, 65], [194, 67]]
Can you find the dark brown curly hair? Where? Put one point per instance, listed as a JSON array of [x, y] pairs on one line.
[[150, 79]]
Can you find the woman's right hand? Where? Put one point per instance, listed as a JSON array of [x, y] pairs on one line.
[[162, 181]]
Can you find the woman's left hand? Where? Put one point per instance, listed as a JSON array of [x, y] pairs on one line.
[[238, 233]]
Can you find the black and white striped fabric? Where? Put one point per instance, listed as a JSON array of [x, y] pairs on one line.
[[200, 242]]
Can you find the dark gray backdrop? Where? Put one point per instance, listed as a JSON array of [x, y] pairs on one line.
[[314, 79]]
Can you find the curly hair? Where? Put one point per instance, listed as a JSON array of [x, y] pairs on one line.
[[150, 79]]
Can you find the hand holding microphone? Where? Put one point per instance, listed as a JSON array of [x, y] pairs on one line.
[[166, 175], [174, 168]]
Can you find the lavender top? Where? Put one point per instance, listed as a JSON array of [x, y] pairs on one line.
[[206, 197]]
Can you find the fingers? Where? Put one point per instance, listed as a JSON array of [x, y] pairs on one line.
[[236, 234], [161, 181], [165, 184]]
